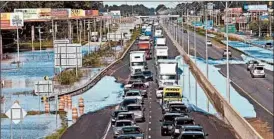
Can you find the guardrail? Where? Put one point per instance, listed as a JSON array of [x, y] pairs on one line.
[[243, 129], [96, 78]]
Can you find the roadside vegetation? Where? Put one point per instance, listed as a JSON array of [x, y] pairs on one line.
[[60, 131], [68, 77]]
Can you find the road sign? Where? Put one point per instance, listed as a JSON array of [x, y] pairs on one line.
[[43, 87], [16, 19], [67, 55], [64, 41], [16, 113]]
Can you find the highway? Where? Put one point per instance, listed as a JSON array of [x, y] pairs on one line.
[[259, 91], [152, 127]]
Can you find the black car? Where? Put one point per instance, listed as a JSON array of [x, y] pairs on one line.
[[114, 115], [167, 122], [148, 75], [192, 135]]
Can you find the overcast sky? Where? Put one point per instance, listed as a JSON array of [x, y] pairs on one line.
[[149, 4]]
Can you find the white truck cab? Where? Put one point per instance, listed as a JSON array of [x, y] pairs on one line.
[[161, 52], [137, 61], [167, 72]]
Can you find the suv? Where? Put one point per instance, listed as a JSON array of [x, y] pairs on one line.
[[139, 76], [167, 122], [131, 132], [138, 112], [178, 123], [126, 116], [225, 53], [178, 109], [134, 94], [148, 75], [250, 64], [128, 101], [166, 106], [119, 125], [140, 86], [268, 45], [130, 82], [257, 71]]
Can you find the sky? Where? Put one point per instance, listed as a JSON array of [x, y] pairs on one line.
[[150, 4]]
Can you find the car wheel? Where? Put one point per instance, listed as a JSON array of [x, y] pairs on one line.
[[252, 75], [264, 76]]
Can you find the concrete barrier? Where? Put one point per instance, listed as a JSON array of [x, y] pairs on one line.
[[243, 129]]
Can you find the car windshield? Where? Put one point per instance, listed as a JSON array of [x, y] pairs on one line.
[[138, 86], [133, 94], [170, 117], [178, 109], [172, 94], [126, 137], [192, 137], [137, 77], [131, 130], [137, 63], [121, 124], [134, 108], [194, 129], [125, 117], [129, 101], [161, 88], [147, 72], [168, 77], [185, 122], [161, 57], [259, 68]]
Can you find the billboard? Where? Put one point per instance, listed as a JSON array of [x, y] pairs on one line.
[[29, 14], [60, 13], [234, 10], [88, 12], [67, 55], [5, 21], [95, 13], [257, 8], [77, 13], [44, 13], [16, 19], [115, 13]]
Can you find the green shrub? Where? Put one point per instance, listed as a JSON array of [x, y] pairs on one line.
[[68, 77]]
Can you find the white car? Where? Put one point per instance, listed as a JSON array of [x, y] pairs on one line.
[[209, 43], [225, 53], [257, 71], [134, 94], [159, 92]]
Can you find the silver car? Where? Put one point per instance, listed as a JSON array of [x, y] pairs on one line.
[[119, 125], [250, 64], [138, 111], [257, 71]]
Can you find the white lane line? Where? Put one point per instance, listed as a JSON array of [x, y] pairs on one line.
[[149, 122], [109, 125], [149, 111], [149, 136], [149, 129], [150, 117]]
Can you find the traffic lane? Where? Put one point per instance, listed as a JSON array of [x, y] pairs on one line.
[[90, 125], [259, 89], [215, 127]]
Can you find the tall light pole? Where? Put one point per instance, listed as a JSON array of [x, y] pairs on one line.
[[227, 57], [1, 45]]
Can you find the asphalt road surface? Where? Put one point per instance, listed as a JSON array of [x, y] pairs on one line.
[[259, 92], [152, 127]]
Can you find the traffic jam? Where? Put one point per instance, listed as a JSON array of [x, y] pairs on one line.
[[176, 121]]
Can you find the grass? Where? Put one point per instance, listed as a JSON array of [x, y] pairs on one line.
[[94, 59], [60, 131], [36, 45], [261, 127], [68, 77]]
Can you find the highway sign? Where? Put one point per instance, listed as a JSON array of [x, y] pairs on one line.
[[16, 19], [16, 113], [44, 87], [67, 55]]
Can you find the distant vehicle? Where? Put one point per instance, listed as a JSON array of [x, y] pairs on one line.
[[128, 101], [183, 128], [159, 92], [167, 122], [209, 43], [140, 86], [225, 53], [119, 125], [138, 111], [114, 116], [268, 45], [257, 71], [137, 61], [148, 75], [130, 82], [250, 64], [192, 135], [126, 116], [166, 106], [134, 94], [131, 132]]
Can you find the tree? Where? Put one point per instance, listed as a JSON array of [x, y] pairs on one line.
[[160, 7]]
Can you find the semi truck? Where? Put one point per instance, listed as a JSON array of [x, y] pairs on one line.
[[161, 52], [137, 61], [144, 45], [167, 72], [148, 31]]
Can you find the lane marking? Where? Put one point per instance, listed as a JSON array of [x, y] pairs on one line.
[[149, 129], [250, 96], [149, 122], [109, 125], [150, 117], [149, 136]]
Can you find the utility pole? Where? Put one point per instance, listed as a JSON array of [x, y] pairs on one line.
[[77, 28], [56, 30], [40, 41], [69, 29], [101, 23], [89, 34], [84, 29], [1, 45], [80, 37], [227, 57], [52, 30]]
